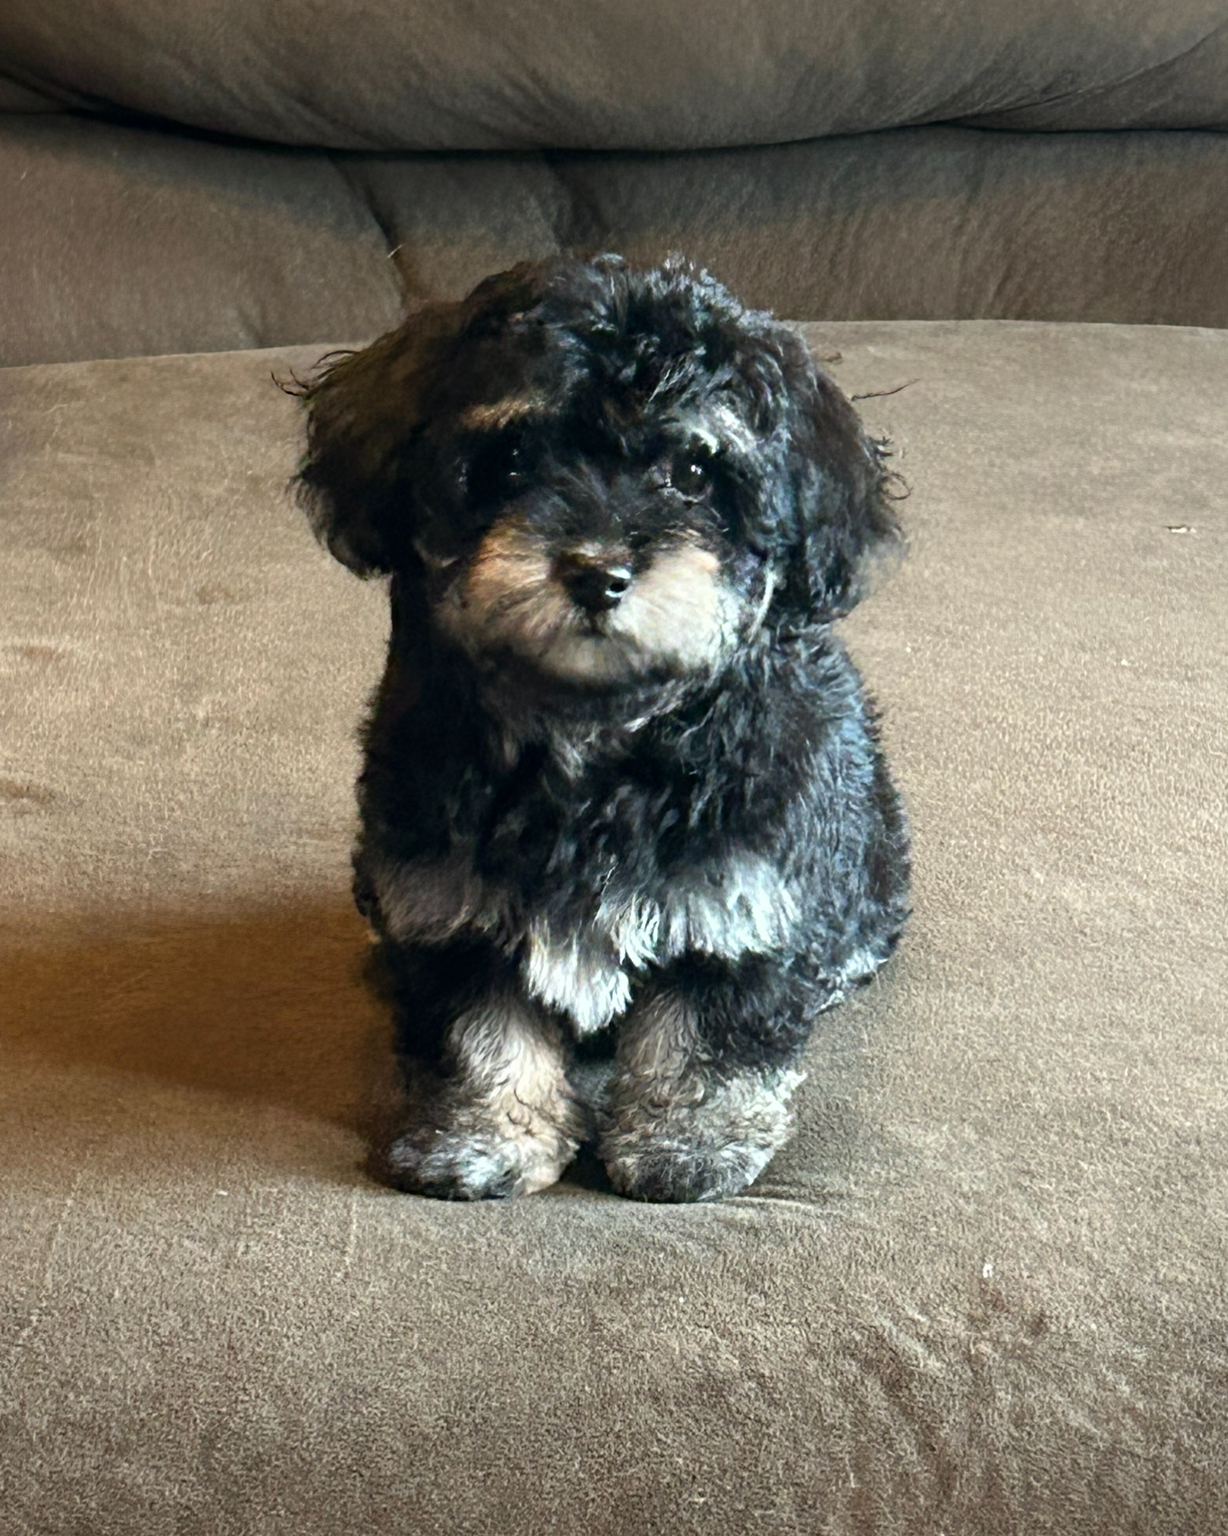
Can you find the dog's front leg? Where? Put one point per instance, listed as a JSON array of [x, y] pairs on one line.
[[489, 1111], [706, 1069]]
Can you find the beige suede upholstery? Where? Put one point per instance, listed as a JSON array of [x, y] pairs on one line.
[[982, 1292]]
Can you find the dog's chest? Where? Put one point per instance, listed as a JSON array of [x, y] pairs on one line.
[[581, 952], [736, 907]]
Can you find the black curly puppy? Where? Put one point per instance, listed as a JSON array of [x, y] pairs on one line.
[[626, 829]]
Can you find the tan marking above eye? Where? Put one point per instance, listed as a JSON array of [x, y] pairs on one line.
[[494, 414]]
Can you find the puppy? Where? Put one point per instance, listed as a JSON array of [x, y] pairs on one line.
[[626, 827]]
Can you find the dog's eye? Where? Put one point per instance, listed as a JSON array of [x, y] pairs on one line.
[[688, 475], [496, 472]]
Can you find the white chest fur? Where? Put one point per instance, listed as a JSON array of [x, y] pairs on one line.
[[737, 907]]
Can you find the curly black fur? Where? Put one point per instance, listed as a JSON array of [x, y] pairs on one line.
[[621, 782]]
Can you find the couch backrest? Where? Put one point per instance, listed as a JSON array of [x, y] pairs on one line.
[[619, 74]]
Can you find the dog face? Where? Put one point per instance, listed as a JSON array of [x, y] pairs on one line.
[[597, 477]]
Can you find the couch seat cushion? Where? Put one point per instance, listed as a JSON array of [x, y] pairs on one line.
[[981, 1292]]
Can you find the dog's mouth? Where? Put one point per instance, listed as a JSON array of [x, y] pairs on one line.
[[594, 624]]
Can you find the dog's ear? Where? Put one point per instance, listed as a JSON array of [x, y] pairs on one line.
[[364, 411], [841, 487]]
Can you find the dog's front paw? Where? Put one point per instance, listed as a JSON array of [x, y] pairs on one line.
[[473, 1163], [708, 1146], [501, 1121], [678, 1174]]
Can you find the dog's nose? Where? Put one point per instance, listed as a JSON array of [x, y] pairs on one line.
[[592, 581]]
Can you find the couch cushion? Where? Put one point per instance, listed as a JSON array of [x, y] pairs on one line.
[[620, 74], [122, 241], [981, 1292]]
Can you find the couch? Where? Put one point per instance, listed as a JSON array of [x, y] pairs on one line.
[[983, 1290]]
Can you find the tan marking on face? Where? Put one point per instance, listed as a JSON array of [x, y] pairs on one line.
[[511, 565], [493, 415], [506, 597], [679, 611]]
